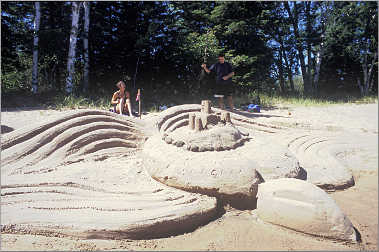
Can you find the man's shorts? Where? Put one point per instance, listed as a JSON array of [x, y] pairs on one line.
[[225, 89]]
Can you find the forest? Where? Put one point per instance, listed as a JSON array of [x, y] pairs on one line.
[[307, 48]]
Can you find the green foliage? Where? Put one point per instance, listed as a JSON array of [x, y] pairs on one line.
[[356, 27], [20, 78], [351, 42], [159, 46], [202, 46]]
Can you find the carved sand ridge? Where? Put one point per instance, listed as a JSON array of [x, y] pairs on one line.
[[176, 117], [317, 154], [216, 160], [328, 172], [205, 132], [72, 138], [77, 175]]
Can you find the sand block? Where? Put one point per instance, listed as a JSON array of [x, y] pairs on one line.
[[209, 119], [225, 117], [304, 207], [198, 124]]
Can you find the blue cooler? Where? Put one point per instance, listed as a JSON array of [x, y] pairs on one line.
[[253, 108]]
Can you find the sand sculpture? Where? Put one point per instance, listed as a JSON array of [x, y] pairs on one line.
[[69, 177], [206, 131]]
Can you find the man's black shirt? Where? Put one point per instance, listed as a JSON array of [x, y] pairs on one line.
[[221, 71]]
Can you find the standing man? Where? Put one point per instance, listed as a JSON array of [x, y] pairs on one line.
[[224, 73]]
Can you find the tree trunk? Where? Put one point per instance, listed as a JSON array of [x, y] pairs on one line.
[[289, 71], [370, 78], [360, 86], [289, 62], [294, 20], [309, 46], [280, 67], [364, 67], [317, 68], [86, 6], [71, 53], [282, 54], [35, 48], [326, 20], [367, 83]]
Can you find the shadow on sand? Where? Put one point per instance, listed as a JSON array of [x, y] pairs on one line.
[[6, 129], [256, 115]]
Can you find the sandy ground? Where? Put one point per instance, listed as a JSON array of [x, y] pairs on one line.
[[241, 230]]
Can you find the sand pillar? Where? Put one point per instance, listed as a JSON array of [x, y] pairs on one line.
[[191, 121], [198, 125], [225, 116], [206, 106]]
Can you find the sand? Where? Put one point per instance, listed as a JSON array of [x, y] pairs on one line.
[[242, 230]]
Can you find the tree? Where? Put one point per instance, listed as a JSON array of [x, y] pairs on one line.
[[353, 39], [16, 45], [325, 21], [166, 42], [365, 42], [276, 28], [86, 17], [72, 48], [53, 44], [237, 27], [294, 17], [35, 48]]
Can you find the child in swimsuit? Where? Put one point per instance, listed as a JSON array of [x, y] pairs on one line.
[[121, 100]]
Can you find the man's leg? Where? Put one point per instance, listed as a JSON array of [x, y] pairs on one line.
[[221, 102], [221, 91], [230, 102]]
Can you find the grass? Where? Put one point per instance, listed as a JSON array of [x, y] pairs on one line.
[[298, 100], [81, 101], [101, 100]]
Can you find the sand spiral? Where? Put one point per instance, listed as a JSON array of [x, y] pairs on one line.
[[78, 175]]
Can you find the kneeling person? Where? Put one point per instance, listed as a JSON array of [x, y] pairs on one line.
[[121, 99]]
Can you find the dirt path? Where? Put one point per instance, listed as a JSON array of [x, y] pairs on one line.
[[241, 230]]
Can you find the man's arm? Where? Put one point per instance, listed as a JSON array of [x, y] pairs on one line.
[[231, 72], [204, 66], [226, 77]]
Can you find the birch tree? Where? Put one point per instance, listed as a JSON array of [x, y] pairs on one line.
[[72, 48], [35, 47], [86, 6]]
